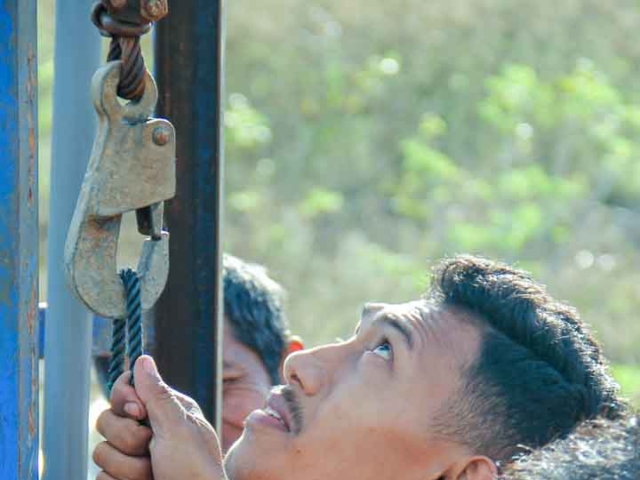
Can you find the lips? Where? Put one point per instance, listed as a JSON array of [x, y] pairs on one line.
[[272, 413], [277, 408]]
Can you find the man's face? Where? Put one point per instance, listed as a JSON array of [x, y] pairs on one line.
[[246, 384], [363, 408]]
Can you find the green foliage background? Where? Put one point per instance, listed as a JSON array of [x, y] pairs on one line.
[[364, 141]]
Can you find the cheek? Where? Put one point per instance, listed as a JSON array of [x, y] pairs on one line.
[[240, 401], [361, 407], [230, 433]]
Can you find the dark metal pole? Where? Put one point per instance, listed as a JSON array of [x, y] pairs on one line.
[[188, 59], [18, 241]]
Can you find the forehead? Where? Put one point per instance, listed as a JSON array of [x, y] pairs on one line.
[[407, 312], [235, 354], [432, 327]]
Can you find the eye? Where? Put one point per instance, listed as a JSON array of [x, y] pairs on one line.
[[384, 350], [230, 379]]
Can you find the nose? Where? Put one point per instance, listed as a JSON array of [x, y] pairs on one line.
[[305, 370]]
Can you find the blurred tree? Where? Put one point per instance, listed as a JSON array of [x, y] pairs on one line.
[[364, 141]]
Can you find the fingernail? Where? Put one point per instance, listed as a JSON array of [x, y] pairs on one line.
[[132, 409], [149, 366]]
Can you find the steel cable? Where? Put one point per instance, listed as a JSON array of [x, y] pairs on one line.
[[127, 335]]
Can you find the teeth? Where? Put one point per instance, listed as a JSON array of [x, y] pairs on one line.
[[272, 413]]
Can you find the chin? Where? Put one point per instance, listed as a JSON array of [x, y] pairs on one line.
[[231, 461], [261, 453], [245, 461]]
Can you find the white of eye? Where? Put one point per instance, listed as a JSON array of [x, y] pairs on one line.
[[383, 350]]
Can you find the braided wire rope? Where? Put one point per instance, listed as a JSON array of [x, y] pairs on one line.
[[134, 316], [125, 46], [127, 335], [118, 344]]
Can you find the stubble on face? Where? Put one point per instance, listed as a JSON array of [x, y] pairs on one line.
[[295, 408], [374, 405]]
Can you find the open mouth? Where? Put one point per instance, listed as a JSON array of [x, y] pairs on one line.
[[278, 407], [272, 413], [281, 412]]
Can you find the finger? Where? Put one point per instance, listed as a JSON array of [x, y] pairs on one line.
[[165, 412], [104, 476], [119, 465], [124, 399], [125, 434]]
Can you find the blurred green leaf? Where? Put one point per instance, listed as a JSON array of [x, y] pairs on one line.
[[320, 201]]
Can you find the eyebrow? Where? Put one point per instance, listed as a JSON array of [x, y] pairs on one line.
[[395, 323], [399, 326]]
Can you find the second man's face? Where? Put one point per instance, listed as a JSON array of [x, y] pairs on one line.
[[246, 385]]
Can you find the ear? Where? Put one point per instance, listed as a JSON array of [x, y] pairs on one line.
[[294, 344], [476, 468]]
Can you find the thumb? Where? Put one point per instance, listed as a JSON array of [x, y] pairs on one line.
[[165, 412]]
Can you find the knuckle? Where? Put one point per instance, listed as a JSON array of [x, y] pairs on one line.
[[103, 418], [126, 437], [188, 401], [163, 397], [134, 439], [139, 441], [143, 434], [165, 393], [99, 454], [129, 443], [142, 470]]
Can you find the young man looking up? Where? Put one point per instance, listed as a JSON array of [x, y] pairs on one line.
[[439, 388]]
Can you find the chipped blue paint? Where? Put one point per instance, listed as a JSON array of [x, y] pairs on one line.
[[18, 241]]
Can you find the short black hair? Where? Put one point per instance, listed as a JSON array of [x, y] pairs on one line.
[[599, 449], [253, 304], [538, 373]]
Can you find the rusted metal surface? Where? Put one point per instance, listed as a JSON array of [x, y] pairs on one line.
[[18, 241], [136, 11], [188, 52], [154, 10], [125, 21], [127, 171]]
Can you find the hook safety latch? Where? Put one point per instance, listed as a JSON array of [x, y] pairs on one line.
[[132, 167]]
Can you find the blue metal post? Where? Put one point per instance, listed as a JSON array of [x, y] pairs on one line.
[[18, 241], [68, 335]]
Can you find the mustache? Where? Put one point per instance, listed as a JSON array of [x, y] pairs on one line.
[[295, 408]]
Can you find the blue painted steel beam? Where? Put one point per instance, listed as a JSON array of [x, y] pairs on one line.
[[18, 241]]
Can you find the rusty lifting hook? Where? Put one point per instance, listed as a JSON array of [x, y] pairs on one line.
[[132, 167]]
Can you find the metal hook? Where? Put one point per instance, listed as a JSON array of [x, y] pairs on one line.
[[132, 167]]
